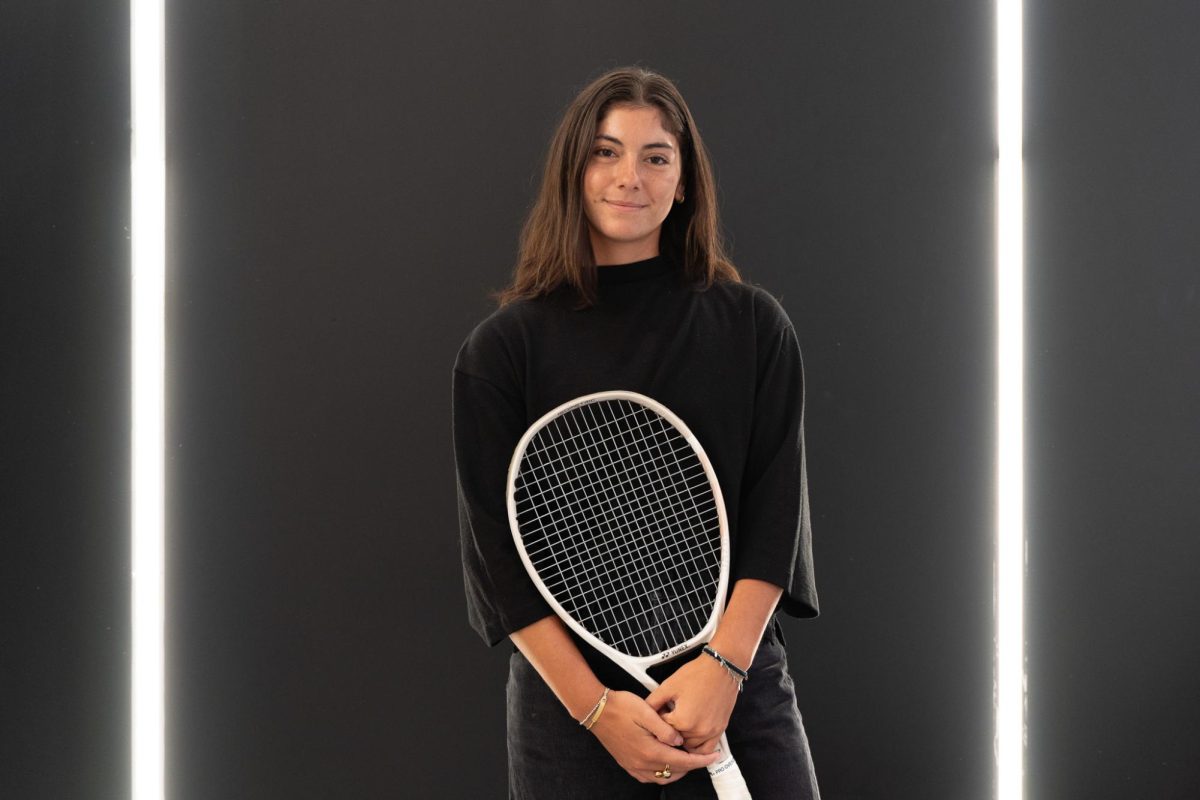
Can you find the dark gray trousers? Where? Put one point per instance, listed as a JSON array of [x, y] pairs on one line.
[[550, 757]]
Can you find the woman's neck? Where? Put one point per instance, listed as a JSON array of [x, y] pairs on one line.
[[608, 254]]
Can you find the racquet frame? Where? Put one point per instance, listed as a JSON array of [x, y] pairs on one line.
[[724, 771]]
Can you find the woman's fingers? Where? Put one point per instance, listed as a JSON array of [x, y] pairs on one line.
[[659, 698], [657, 727], [642, 743], [704, 746], [653, 757], [674, 764], [696, 700]]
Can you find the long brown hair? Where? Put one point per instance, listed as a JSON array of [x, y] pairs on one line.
[[555, 249]]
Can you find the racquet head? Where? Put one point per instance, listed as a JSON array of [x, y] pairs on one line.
[[618, 516]]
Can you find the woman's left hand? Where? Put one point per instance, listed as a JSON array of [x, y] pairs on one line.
[[697, 701]]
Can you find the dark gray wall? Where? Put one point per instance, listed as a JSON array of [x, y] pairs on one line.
[[64, 389], [1113, 216], [347, 184]]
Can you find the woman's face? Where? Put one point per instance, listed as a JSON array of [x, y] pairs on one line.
[[631, 181]]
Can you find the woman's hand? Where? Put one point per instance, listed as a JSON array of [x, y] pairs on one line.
[[641, 742], [697, 701]]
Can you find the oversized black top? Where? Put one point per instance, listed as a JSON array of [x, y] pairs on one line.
[[725, 360]]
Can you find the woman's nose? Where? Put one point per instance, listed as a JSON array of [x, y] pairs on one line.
[[627, 173]]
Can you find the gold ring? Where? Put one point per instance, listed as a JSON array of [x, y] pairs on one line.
[[658, 773]]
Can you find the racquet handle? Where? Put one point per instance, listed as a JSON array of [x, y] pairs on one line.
[[727, 777]]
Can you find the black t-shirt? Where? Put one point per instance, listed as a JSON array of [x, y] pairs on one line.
[[724, 359]]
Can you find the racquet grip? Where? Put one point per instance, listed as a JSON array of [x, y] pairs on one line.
[[727, 777]]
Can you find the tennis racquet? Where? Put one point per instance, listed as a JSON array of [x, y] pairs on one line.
[[618, 517]]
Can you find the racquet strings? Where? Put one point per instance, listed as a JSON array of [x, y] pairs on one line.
[[618, 518]]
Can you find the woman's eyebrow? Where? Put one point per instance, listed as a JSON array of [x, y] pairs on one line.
[[663, 145]]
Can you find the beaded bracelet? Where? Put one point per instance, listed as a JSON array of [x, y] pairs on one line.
[[734, 670], [590, 718]]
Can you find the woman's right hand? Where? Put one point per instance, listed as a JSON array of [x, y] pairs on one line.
[[642, 743]]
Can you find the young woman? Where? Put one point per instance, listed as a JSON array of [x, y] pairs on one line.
[[622, 283]]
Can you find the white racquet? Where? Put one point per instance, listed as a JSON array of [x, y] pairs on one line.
[[618, 516]]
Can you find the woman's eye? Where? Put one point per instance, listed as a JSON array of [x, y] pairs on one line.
[[600, 151], [661, 162]]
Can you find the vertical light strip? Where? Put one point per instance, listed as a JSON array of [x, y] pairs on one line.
[[148, 246], [1010, 517]]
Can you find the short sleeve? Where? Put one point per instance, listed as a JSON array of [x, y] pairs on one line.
[[487, 424], [774, 537]]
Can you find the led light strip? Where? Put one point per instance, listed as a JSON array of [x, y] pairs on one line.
[[148, 246], [1010, 495]]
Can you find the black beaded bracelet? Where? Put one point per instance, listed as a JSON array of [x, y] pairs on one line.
[[737, 671]]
